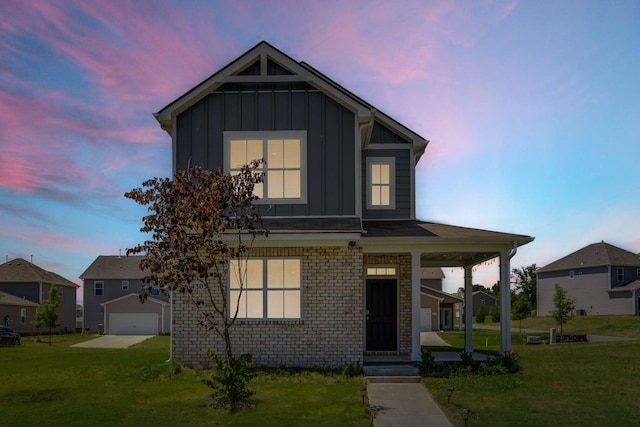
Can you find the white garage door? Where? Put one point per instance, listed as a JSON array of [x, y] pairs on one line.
[[133, 324]]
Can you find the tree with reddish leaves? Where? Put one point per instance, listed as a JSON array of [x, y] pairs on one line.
[[199, 221]]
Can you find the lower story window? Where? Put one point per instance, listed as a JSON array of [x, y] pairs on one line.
[[269, 288]]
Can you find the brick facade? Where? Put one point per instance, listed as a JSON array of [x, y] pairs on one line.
[[330, 333]]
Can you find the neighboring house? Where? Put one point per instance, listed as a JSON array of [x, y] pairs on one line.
[[338, 278], [437, 307], [483, 299], [602, 278], [112, 285], [17, 313], [30, 283]]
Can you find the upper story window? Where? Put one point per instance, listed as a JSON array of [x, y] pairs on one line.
[[620, 274], [381, 189], [98, 288], [271, 288], [125, 285], [637, 272], [572, 274], [60, 293], [285, 170]]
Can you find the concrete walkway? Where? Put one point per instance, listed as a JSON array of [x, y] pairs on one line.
[[113, 341], [405, 405]]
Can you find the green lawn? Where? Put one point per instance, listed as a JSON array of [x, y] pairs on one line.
[[64, 386], [586, 384], [617, 326]]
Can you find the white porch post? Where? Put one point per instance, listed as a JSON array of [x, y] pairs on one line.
[[415, 306], [505, 302], [468, 308]]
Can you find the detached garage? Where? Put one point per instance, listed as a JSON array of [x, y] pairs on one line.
[[128, 316]]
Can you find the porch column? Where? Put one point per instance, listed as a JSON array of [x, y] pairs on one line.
[[505, 302], [468, 308], [415, 306]]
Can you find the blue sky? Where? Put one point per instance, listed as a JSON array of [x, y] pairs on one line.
[[532, 110]]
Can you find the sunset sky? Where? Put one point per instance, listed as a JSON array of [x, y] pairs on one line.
[[532, 109]]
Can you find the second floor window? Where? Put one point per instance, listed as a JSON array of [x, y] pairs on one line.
[[125, 285], [285, 155], [98, 288], [620, 272], [381, 183]]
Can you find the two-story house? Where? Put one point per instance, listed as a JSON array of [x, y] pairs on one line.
[[338, 278], [25, 281], [602, 278], [111, 290]]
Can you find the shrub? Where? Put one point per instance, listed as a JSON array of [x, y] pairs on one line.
[[481, 314], [427, 362], [352, 369], [229, 380], [495, 314], [466, 359]]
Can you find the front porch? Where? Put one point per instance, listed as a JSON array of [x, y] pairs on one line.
[[436, 245]]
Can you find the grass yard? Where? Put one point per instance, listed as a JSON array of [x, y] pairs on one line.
[[64, 386], [617, 326], [582, 384]]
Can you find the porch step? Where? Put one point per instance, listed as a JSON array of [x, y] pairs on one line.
[[391, 370]]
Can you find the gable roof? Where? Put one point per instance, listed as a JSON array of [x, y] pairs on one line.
[[149, 299], [483, 292], [8, 299], [21, 271], [431, 273], [447, 297], [276, 66], [595, 255], [115, 267]]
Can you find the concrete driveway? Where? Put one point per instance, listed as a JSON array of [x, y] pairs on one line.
[[113, 341]]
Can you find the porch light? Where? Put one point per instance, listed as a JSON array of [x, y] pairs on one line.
[[363, 393], [465, 415], [449, 393]]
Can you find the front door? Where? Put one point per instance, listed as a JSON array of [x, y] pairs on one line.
[[382, 315], [446, 318]]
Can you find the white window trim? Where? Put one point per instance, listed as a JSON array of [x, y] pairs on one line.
[[264, 136], [620, 274], [95, 288], [265, 302], [391, 162], [23, 316], [125, 285]]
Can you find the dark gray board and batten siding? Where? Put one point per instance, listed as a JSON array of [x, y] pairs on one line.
[[278, 106]]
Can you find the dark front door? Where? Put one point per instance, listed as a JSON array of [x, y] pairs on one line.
[[382, 315]]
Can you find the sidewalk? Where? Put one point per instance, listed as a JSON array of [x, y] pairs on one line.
[[405, 405]]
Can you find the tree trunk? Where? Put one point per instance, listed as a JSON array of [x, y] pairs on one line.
[[227, 344]]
